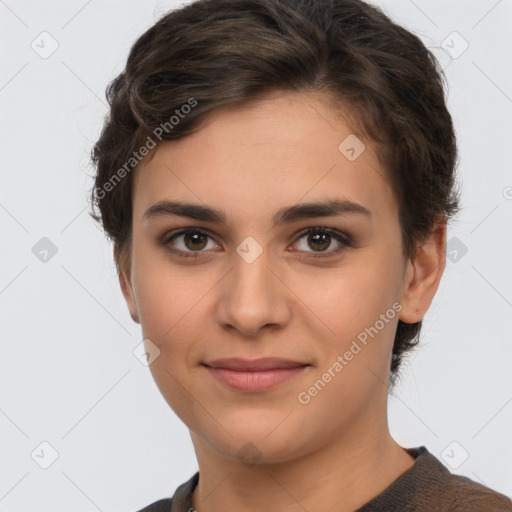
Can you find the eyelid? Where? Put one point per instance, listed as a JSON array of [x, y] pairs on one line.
[[343, 238], [166, 239]]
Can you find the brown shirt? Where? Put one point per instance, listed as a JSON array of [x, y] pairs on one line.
[[427, 486]]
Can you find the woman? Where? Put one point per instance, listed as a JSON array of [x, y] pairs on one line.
[[277, 178]]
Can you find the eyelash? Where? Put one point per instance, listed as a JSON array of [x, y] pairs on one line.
[[343, 239]]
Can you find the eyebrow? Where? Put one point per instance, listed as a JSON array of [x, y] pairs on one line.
[[328, 208]]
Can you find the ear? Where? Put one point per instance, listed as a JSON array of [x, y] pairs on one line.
[[422, 276], [126, 288]]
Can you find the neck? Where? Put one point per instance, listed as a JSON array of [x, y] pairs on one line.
[[341, 475]]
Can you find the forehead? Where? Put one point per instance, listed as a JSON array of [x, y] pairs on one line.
[[252, 159]]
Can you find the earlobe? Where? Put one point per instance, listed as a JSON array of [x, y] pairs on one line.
[[128, 294], [423, 276]]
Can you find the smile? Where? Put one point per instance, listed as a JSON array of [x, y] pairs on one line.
[[254, 376]]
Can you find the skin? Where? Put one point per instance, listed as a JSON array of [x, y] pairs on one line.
[[335, 451]]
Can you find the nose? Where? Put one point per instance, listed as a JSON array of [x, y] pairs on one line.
[[253, 296]]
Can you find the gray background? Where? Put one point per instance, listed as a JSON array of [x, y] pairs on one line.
[[69, 377]]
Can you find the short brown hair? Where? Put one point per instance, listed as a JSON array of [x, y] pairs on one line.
[[231, 52]]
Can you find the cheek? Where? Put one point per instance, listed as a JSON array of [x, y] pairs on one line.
[[172, 315], [175, 312], [351, 297], [358, 304], [164, 291], [171, 311]]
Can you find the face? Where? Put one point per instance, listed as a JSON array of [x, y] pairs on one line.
[[249, 275]]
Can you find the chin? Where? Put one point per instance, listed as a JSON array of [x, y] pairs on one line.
[[259, 438]]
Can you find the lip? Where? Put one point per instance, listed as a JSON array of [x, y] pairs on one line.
[[254, 375]]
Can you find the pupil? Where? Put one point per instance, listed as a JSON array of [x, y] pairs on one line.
[[321, 238], [195, 240]]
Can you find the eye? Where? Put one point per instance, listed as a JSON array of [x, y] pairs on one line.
[[321, 238], [193, 240]]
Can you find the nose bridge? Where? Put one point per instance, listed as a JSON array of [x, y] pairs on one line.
[[250, 273], [253, 296]]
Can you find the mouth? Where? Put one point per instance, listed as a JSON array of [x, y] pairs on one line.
[[254, 375]]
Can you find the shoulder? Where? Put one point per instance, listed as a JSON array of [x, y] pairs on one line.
[[456, 493], [181, 501], [163, 505], [468, 496], [428, 485]]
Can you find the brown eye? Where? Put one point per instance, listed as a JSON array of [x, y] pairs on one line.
[[319, 240], [194, 241], [189, 241]]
